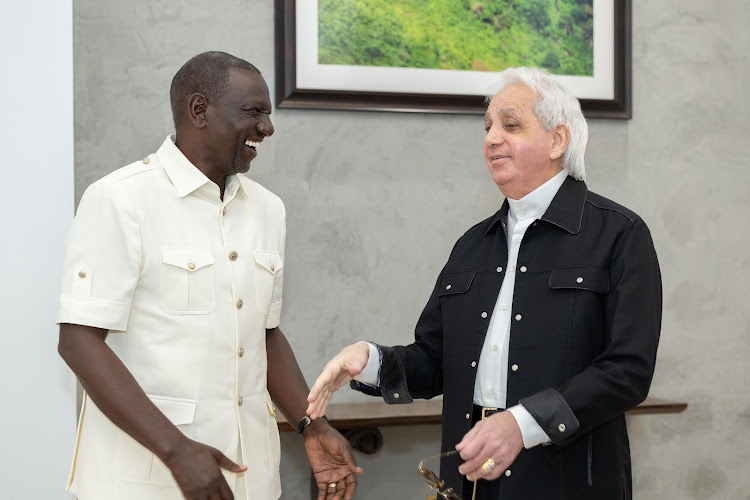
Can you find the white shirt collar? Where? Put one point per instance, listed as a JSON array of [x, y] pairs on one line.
[[185, 176], [534, 204]]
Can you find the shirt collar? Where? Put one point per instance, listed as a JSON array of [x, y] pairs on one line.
[[565, 210], [536, 202], [185, 176]]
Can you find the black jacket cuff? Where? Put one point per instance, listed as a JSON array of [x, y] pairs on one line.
[[392, 379], [554, 416]]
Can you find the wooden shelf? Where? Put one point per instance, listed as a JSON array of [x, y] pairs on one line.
[[379, 414]]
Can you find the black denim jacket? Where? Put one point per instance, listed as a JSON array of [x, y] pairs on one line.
[[587, 317]]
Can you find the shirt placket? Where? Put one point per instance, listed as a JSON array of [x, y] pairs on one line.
[[235, 260]]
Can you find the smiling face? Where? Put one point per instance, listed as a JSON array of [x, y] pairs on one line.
[[520, 154], [237, 122]]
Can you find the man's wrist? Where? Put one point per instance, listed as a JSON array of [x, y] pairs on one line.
[[307, 422]]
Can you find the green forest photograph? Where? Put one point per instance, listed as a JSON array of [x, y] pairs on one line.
[[468, 35]]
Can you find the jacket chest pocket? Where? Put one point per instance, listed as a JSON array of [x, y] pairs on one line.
[[456, 283], [268, 269], [591, 278], [187, 281], [575, 306], [455, 300]]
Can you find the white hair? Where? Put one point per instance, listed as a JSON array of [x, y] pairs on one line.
[[554, 105]]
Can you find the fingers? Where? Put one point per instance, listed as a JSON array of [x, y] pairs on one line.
[[337, 373], [229, 465], [225, 491], [351, 485], [467, 439], [320, 383], [320, 407], [322, 491], [471, 443], [340, 490], [471, 467]]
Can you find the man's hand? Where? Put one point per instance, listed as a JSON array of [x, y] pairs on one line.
[[332, 461], [337, 373], [197, 469], [497, 437]]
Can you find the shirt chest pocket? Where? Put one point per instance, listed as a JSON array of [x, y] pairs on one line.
[[187, 281], [268, 270]]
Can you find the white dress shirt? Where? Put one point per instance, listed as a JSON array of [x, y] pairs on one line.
[[187, 284], [490, 385]]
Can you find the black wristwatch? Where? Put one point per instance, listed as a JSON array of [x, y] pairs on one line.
[[306, 420]]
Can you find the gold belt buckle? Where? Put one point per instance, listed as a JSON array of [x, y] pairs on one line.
[[485, 410]]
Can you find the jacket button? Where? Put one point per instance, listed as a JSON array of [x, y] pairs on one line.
[[82, 274], [507, 473], [396, 395], [484, 314], [523, 269], [499, 269], [448, 287], [514, 368], [518, 317], [561, 427], [579, 280], [232, 255], [473, 364], [468, 416]]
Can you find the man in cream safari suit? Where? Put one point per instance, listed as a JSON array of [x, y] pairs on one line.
[[169, 312]]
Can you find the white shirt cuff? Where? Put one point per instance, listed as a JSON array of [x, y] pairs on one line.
[[370, 373], [531, 432]]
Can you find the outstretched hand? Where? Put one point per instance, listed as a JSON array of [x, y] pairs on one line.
[[332, 461], [337, 373]]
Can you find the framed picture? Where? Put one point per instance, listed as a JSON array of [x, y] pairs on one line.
[[442, 56]]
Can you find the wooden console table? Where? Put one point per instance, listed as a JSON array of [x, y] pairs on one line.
[[379, 414]]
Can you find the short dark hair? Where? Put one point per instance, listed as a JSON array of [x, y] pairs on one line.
[[207, 74]]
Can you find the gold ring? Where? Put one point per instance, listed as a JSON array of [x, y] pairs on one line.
[[331, 486], [488, 465]]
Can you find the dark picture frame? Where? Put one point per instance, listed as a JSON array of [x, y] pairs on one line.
[[289, 95]]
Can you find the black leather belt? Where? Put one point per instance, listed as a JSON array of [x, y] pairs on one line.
[[482, 412]]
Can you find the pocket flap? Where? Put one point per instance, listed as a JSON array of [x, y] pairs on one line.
[[593, 278], [187, 258], [271, 261], [178, 411], [454, 283]]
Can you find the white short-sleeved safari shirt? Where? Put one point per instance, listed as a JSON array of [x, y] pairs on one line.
[[187, 285]]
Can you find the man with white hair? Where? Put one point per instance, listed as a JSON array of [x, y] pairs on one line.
[[550, 308]]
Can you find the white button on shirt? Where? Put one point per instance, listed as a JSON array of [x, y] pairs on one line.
[[183, 286]]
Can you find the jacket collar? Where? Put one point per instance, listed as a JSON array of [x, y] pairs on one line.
[[565, 211]]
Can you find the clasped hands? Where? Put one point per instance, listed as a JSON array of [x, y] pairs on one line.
[[497, 437]]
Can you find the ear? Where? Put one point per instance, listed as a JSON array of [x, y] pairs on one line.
[[197, 105], [560, 140]]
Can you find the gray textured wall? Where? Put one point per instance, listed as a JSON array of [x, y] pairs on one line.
[[376, 200]]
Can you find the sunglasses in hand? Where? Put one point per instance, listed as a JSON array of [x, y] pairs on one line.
[[434, 481]]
